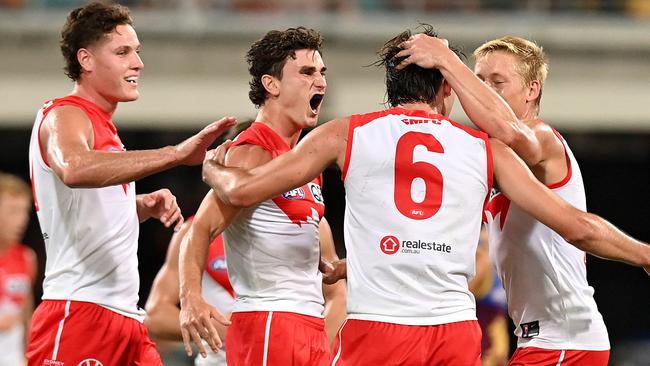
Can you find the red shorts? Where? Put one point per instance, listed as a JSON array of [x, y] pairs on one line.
[[372, 343], [533, 356], [71, 333], [276, 339]]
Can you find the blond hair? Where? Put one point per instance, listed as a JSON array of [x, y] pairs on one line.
[[14, 186], [532, 64]]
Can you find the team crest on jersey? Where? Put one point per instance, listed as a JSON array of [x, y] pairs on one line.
[[218, 264], [316, 192], [294, 194]]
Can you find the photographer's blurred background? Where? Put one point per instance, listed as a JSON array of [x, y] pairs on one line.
[[597, 95]]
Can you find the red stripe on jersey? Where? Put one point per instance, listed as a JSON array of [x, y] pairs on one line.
[[499, 204], [568, 164], [216, 265], [353, 123], [299, 203]]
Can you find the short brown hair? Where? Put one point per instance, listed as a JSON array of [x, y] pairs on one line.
[[532, 64], [14, 186], [268, 56], [87, 25]]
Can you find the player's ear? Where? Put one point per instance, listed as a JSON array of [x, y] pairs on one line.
[[85, 59], [534, 90], [446, 88], [271, 84]]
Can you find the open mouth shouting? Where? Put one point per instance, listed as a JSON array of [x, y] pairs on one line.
[[315, 102]]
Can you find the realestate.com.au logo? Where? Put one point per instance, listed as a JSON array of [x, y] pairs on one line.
[[390, 245]]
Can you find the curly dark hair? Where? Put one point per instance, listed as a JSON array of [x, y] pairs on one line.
[[268, 56], [87, 25], [412, 84]]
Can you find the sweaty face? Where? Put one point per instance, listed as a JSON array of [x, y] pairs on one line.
[[115, 65], [498, 71], [14, 216], [302, 87]]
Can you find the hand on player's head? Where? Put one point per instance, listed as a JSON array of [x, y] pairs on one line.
[[423, 50], [192, 151]]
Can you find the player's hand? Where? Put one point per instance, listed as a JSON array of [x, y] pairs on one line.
[[333, 271], [161, 205], [192, 151], [425, 51], [197, 317], [218, 155]]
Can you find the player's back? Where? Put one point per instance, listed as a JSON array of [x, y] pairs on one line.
[[545, 277], [416, 184]]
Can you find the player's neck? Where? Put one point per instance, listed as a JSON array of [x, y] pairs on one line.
[[92, 95], [281, 124], [421, 106], [5, 245]]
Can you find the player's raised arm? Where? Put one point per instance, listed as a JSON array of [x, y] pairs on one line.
[[586, 231], [484, 107], [67, 140], [242, 188]]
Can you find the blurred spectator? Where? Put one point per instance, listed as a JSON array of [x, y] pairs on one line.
[[17, 269]]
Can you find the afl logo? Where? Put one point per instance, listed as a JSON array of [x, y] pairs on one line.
[[90, 362], [389, 244], [294, 194]]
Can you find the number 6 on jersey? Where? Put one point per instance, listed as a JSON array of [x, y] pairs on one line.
[[406, 171]]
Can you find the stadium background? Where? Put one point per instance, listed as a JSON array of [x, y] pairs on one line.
[[597, 96]]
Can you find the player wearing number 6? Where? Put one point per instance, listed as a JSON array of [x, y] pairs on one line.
[[416, 186]]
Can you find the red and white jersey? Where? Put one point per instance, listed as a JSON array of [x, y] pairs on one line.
[[215, 285], [16, 278], [545, 277], [90, 234], [273, 249], [416, 185]]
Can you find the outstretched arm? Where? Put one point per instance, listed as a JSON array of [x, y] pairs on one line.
[[67, 141], [586, 231], [335, 294], [484, 107], [240, 187]]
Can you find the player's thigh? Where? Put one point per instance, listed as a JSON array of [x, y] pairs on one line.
[[81, 333], [369, 343], [276, 338]]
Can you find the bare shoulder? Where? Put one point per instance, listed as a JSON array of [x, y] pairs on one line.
[[549, 140], [247, 156], [68, 115], [64, 121]]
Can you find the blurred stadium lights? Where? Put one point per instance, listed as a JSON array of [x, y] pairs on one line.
[[195, 72]]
